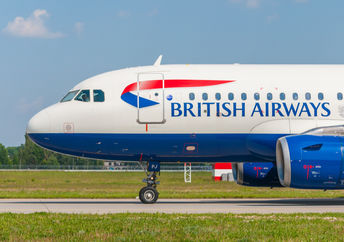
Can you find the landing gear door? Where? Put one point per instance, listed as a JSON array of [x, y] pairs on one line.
[[150, 98]]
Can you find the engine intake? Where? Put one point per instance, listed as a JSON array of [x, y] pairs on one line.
[[283, 162]]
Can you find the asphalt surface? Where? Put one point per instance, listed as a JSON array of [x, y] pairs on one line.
[[102, 206]]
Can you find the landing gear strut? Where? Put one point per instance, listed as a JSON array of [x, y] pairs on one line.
[[149, 193]]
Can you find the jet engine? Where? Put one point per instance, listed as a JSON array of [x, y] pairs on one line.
[[263, 174], [312, 160]]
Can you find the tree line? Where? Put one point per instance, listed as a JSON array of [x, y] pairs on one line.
[[31, 155]]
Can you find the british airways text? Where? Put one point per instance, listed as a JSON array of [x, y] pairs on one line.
[[234, 109]]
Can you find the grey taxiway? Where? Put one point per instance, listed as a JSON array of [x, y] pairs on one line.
[[103, 206]]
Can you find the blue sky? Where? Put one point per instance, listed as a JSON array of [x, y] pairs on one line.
[[46, 47]]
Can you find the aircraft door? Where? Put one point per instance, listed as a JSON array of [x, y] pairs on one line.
[[150, 92]]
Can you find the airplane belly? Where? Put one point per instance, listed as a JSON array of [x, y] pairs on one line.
[[161, 147]]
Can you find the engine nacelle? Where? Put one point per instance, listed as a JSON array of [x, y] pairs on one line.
[[310, 161], [262, 174]]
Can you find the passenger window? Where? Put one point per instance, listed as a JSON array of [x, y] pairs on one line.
[[308, 96], [320, 96], [205, 96], [295, 96], [98, 96], [269, 96], [69, 96], [340, 96], [83, 96], [282, 96], [243, 96], [230, 96], [256, 96], [192, 96], [218, 96]]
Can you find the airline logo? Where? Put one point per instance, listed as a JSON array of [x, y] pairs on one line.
[[236, 109], [129, 97], [221, 108]]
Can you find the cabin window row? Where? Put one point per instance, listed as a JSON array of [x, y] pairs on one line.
[[269, 96]]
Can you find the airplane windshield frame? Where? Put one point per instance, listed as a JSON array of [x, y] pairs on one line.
[[69, 96]]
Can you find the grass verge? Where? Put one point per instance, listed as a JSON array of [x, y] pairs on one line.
[[172, 227], [59, 184]]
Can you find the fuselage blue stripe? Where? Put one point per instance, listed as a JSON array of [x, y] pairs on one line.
[[163, 147]]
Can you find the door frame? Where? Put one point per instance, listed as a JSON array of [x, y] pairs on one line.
[[163, 98]]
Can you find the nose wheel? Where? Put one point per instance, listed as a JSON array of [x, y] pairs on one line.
[[149, 193]]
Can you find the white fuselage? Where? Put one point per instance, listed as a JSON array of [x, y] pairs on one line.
[[186, 117]]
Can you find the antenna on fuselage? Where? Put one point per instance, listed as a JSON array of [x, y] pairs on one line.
[[158, 61]]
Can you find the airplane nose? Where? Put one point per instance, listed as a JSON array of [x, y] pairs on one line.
[[40, 123]]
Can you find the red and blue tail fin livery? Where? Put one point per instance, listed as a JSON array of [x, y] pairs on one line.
[[131, 98]]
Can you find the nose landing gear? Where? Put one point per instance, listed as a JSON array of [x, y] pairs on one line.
[[149, 193]]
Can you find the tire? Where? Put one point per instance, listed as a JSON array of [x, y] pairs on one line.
[[148, 195]]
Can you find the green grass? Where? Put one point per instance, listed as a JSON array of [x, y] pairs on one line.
[[172, 227], [59, 184]]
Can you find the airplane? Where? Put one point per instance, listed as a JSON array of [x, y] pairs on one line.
[[281, 125]]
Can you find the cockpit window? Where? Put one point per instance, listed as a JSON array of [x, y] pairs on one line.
[[83, 96], [69, 96], [98, 96]]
